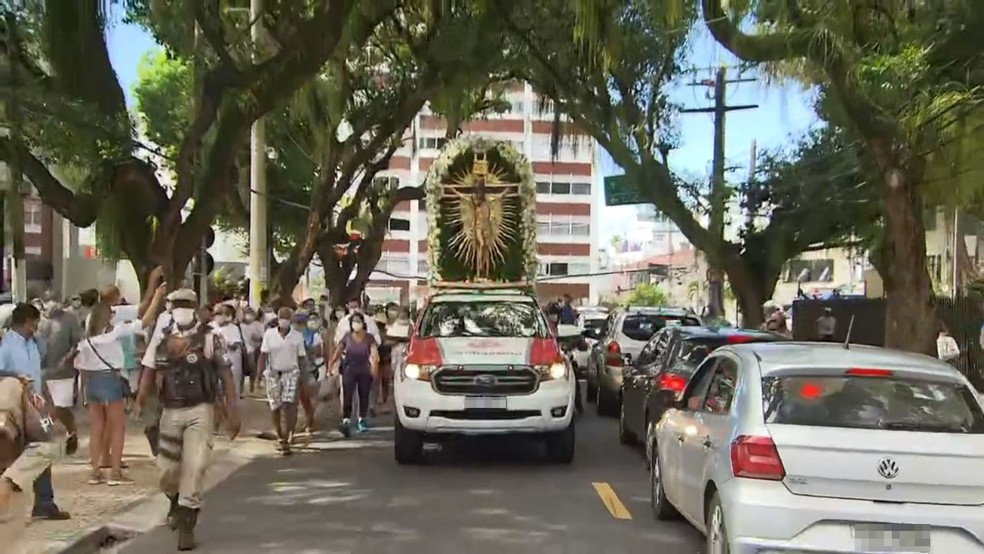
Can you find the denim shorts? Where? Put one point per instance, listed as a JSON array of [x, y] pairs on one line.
[[103, 387]]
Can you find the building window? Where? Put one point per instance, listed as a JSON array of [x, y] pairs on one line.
[[433, 143], [543, 188], [422, 267], [809, 271], [517, 106], [560, 188], [32, 217], [581, 229], [399, 224], [581, 188], [578, 269], [32, 250], [557, 268]]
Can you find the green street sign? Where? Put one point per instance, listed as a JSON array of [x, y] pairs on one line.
[[619, 191]]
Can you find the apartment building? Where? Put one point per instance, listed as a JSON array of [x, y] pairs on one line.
[[566, 219]]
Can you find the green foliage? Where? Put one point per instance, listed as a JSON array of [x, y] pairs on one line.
[[163, 93], [645, 294]]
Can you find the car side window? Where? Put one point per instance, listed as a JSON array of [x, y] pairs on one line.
[[651, 351], [695, 394], [607, 327], [669, 352], [721, 388]]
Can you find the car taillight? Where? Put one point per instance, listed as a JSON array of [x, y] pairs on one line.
[[739, 339], [614, 356], [868, 372], [756, 458], [671, 382]]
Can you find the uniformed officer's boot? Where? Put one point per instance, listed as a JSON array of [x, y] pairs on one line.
[[172, 512], [187, 519]]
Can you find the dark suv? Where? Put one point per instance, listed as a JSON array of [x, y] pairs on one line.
[[651, 384]]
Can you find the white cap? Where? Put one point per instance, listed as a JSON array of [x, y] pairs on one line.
[[183, 295]]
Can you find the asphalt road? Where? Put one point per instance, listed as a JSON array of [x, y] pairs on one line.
[[485, 497]]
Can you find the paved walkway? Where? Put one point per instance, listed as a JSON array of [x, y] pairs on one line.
[[95, 506]]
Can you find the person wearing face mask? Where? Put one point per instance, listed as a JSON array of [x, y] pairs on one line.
[[344, 325], [281, 362], [253, 330], [235, 343], [308, 392], [361, 367], [189, 359]]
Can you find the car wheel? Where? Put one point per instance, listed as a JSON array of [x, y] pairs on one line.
[[560, 445], [625, 436], [717, 530], [408, 445], [592, 392], [660, 505], [604, 402]]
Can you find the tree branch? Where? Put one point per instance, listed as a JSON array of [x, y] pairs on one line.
[[81, 209]]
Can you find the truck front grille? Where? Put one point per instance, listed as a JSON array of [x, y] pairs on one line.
[[485, 380]]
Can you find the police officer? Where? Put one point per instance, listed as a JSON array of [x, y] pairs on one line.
[[186, 362]]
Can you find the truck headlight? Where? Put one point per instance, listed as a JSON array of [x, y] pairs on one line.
[[556, 370], [417, 371]]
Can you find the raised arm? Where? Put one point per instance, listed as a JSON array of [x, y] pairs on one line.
[[155, 280]]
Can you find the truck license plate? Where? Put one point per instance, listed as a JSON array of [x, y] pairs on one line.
[[875, 537], [485, 403]]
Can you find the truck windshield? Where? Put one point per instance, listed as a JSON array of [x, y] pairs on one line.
[[483, 319]]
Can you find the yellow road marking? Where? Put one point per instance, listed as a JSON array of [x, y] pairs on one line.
[[611, 501]]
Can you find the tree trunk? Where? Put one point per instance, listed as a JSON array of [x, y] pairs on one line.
[[752, 287], [910, 318]]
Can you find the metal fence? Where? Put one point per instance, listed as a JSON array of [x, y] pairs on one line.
[[963, 317]]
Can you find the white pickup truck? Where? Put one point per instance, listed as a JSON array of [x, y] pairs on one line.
[[483, 363]]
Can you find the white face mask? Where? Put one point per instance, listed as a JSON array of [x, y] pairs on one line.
[[183, 316], [357, 326], [313, 325], [249, 318], [283, 323]]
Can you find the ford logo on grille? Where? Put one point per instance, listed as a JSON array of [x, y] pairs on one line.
[[485, 380]]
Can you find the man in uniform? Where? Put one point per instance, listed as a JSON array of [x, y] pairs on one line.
[[187, 360]]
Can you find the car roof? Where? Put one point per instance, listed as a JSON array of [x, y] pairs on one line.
[[791, 354], [703, 331], [649, 310]]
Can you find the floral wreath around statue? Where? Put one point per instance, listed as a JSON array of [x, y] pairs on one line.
[[438, 174]]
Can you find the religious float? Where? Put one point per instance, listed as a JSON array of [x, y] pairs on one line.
[[481, 359]]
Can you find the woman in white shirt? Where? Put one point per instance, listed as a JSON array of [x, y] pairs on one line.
[[99, 360], [235, 341]]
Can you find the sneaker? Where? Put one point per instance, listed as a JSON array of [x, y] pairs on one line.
[[346, 427], [363, 426], [96, 478], [51, 513], [71, 444]]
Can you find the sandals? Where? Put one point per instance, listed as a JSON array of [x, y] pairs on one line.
[[96, 477]]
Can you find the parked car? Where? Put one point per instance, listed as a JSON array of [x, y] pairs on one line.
[[796, 447], [621, 339], [657, 376]]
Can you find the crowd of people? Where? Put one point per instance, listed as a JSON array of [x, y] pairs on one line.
[[99, 354]]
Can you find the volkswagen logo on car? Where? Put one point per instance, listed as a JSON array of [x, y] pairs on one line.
[[888, 469]]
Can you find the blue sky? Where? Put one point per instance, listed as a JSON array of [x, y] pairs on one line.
[[783, 114]]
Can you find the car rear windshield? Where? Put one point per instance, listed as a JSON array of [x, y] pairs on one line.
[[642, 327], [483, 319], [596, 323], [871, 403]]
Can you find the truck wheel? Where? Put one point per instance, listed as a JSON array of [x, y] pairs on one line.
[[560, 445], [408, 446]]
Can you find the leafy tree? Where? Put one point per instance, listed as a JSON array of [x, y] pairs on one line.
[[614, 89], [76, 116], [645, 294], [892, 74]]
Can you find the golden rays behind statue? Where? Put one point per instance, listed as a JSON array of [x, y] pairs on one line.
[[479, 200]]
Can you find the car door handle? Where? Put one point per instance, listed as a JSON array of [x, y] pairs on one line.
[[707, 443], [679, 437]]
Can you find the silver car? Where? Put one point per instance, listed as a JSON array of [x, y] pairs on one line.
[[810, 447]]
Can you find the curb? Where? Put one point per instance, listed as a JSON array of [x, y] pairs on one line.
[[149, 512]]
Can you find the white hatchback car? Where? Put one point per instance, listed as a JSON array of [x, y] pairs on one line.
[[810, 447]]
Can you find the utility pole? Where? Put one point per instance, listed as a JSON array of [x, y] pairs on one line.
[[258, 251], [719, 187]]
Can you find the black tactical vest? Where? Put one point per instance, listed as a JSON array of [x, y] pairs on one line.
[[188, 377]]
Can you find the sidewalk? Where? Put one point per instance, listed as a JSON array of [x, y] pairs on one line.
[[95, 506]]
